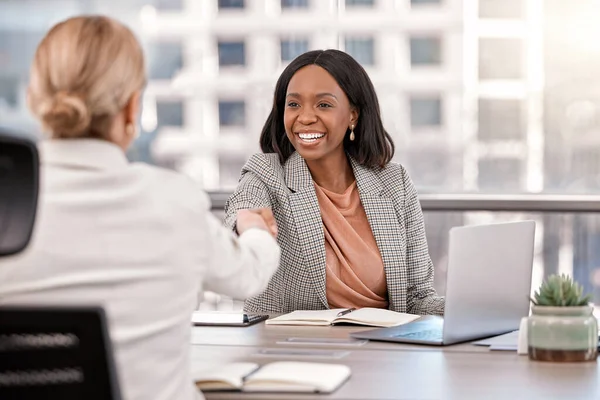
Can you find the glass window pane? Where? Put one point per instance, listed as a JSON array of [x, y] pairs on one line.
[[16, 51], [231, 4], [500, 58], [9, 91], [425, 111], [169, 5], [294, 4], [229, 171], [500, 119], [501, 9], [232, 53], [232, 113], [424, 2], [291, 49], [429, 168], [362, 49], [169, 113], [425, 51], [360, 3], [499, 174], [165, 59]]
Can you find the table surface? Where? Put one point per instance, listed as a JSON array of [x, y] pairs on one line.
[[396, 371]]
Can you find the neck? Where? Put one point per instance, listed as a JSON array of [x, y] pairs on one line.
[[332, 173]]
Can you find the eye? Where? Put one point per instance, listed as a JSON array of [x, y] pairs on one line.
[[293, 104], [324, 105]]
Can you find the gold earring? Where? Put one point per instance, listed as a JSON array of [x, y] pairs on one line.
[[131, 131], [351, 133]]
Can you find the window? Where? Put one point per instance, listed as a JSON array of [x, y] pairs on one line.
[[500, 58], [362, 49], [500, 119], [425, 51], [165, 59], [229, 171], [429, 168], [501, 9], [232, 113], [499, 174], [231, 4], [169, 113], [360, 3], [169, 5], [294, 4], [232, 53], [424, 2], [292, 48], [425, 111], [16, 51], [9, 89]]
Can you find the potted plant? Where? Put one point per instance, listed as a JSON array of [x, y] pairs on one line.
[[561, 326]]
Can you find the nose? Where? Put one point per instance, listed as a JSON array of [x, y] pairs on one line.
[[307, 116]]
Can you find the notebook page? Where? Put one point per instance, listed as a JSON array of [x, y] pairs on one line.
[[305, 317], [294, 376], [228, 376], [377, 317]]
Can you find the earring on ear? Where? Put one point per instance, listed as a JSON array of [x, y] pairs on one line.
[[352, 132], [131, 131]]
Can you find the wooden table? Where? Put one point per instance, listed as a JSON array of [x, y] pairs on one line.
[[396, 371]]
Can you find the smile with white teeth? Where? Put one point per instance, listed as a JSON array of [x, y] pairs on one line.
[[310, 137]]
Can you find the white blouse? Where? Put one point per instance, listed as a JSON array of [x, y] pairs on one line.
[[141, 242]]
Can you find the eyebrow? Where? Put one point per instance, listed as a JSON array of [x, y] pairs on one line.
[[326, 94]]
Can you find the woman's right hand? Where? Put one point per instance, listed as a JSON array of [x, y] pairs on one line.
[[261, 218]]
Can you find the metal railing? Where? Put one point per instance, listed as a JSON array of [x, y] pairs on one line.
[[567, 203]]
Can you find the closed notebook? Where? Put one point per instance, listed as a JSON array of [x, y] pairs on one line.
[[283, 376], [363, 316]]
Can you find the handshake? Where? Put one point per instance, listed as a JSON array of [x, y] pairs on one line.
[[261, 218]]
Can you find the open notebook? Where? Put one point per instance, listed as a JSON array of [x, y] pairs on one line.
[[283, 376], [363, 316]]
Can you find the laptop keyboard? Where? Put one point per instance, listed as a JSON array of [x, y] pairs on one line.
[[427, 334]]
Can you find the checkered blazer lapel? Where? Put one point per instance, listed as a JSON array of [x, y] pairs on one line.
[[386, 229], [307, 218]]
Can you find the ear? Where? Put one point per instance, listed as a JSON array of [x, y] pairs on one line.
[[132, 108], [354, 113]]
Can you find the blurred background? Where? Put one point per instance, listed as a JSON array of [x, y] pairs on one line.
[[494, 97]]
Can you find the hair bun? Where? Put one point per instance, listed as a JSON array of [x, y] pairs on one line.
[[67, 115]]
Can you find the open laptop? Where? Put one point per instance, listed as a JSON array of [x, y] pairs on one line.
[[487, 287]]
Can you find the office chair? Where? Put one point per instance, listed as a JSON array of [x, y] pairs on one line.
[[56, 353], [45, 352], [19, 177]]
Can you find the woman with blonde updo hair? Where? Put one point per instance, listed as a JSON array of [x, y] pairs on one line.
[[137, 240], [86, 80]]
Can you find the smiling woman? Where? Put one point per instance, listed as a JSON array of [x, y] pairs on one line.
[[349, 221]]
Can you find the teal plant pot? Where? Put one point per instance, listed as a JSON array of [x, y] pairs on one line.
[[562, 334]]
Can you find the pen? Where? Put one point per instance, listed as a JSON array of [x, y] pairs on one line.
[[345, 312]]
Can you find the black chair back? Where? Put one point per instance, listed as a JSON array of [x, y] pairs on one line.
[[56, 353], [19, 179]]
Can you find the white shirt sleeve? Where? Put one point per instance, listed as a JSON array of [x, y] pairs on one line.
[[242, 266]]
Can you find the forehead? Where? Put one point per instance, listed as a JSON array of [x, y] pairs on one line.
[[313, 79]]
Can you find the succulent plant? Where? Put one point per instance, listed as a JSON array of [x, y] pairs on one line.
[[560, 291]]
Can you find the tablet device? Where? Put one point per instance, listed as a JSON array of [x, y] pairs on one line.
[[215, 318]]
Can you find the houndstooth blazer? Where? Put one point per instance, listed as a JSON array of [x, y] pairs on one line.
[[393, 211]]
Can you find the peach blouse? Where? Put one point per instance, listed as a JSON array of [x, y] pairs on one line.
[[355, 273]]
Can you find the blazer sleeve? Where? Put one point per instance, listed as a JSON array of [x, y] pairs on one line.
[[251, 192], [422, 298]]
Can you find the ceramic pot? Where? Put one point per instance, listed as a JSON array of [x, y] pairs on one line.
[[562, 334]]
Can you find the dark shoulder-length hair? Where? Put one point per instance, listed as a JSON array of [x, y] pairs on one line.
[[372, 147]]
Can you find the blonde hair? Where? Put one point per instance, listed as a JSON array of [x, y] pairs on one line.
[[84, 72]]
